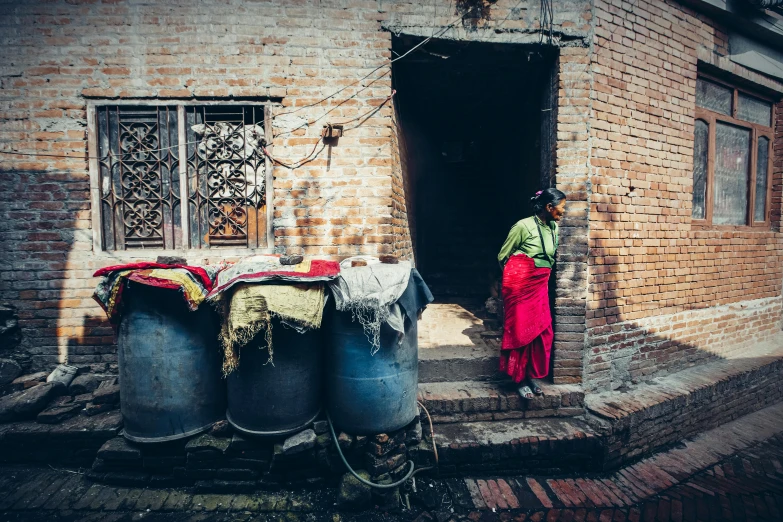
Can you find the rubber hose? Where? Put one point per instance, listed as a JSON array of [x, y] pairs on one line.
[[411, 471]]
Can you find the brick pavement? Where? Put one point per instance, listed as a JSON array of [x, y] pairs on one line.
[[734, 472]]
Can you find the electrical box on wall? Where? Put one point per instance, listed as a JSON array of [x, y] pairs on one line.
[[332, 131]]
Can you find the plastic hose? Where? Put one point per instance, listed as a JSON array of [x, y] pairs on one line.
[[411, 471]]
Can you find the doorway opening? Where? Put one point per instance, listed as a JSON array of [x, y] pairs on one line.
[[476, 121]]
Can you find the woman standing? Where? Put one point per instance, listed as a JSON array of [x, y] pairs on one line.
[[527, 258]]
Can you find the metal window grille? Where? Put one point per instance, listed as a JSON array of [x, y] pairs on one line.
[[147, 198], [226, 170], [139, 178]]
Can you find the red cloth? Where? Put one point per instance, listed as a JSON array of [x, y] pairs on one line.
[[527, 330], [197, 271]]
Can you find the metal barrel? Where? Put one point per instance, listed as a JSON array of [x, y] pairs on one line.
[[366, 393], [279, 397], [171, 385]]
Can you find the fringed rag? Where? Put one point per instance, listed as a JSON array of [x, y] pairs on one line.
[[194, 282], [370, 293], [252, 307], [247, 308]]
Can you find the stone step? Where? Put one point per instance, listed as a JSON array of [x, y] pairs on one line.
[[459, 363], [544, 445], [468, 401]]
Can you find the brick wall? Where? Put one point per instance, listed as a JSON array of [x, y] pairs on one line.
[[571, 176], [348, 200], [648, 265]]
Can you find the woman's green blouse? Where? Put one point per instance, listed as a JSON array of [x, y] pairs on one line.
[[524, 238]]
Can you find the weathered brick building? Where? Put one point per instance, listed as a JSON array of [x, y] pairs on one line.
[[650, 114]]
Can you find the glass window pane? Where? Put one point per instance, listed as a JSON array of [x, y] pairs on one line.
[[762, 167], [732, 168], [713, 96], [701, 133], [754, 110]]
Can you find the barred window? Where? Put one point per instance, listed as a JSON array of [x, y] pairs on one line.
[[731, 156], [180, 176]]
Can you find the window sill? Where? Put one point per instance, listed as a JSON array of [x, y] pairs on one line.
[[762, 227], [217, 254]]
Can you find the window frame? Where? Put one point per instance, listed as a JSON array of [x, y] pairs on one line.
[[712, 118], [180, 105]]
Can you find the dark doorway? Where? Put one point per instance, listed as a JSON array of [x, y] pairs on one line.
[[471, 122]]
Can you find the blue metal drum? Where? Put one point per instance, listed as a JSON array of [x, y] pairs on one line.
[[171, 385], [279, 398], [370, 394]]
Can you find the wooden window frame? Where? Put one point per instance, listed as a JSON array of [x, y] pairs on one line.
[[95, 179], [712, 118]]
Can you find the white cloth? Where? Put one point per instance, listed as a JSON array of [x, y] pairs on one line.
[[370, 293]]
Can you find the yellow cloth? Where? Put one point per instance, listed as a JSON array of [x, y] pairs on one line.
[[251, 309]]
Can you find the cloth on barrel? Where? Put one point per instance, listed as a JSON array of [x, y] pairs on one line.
[[370, 293], [194, 282], [267, 268], [416, 296], [252, 307], [527, 328]]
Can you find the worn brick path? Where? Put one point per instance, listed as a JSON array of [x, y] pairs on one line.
[[732, 473]]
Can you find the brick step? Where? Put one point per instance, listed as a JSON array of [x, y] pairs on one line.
[[469, 401], [652, 415], [544, 445]]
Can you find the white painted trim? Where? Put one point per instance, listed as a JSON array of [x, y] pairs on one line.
[[182, 152], [95, 179], [270, 190]]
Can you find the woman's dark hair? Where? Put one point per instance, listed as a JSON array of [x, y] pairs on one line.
[[545, 197]]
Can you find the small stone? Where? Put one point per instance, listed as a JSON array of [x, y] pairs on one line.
[[389, 259], [109, 394], [291, 260], [86, 383], [28, 403], [413, 435], [391, 442], [353, 493], [83, 398], [323, 441], [91, 408], [57, 414], [358, 262], [9, 370], [221, 429], [302, 441], [63, 373], [239, 444], [344, 440], [61, 401], [379, 466], [381, 438], [320, 427], [208, 442], [171, 260], [118, 449], [28, 381]]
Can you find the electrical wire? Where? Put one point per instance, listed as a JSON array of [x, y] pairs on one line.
[[306, 158], [411, 471]]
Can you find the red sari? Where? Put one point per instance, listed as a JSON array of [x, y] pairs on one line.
[[527, 331]]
